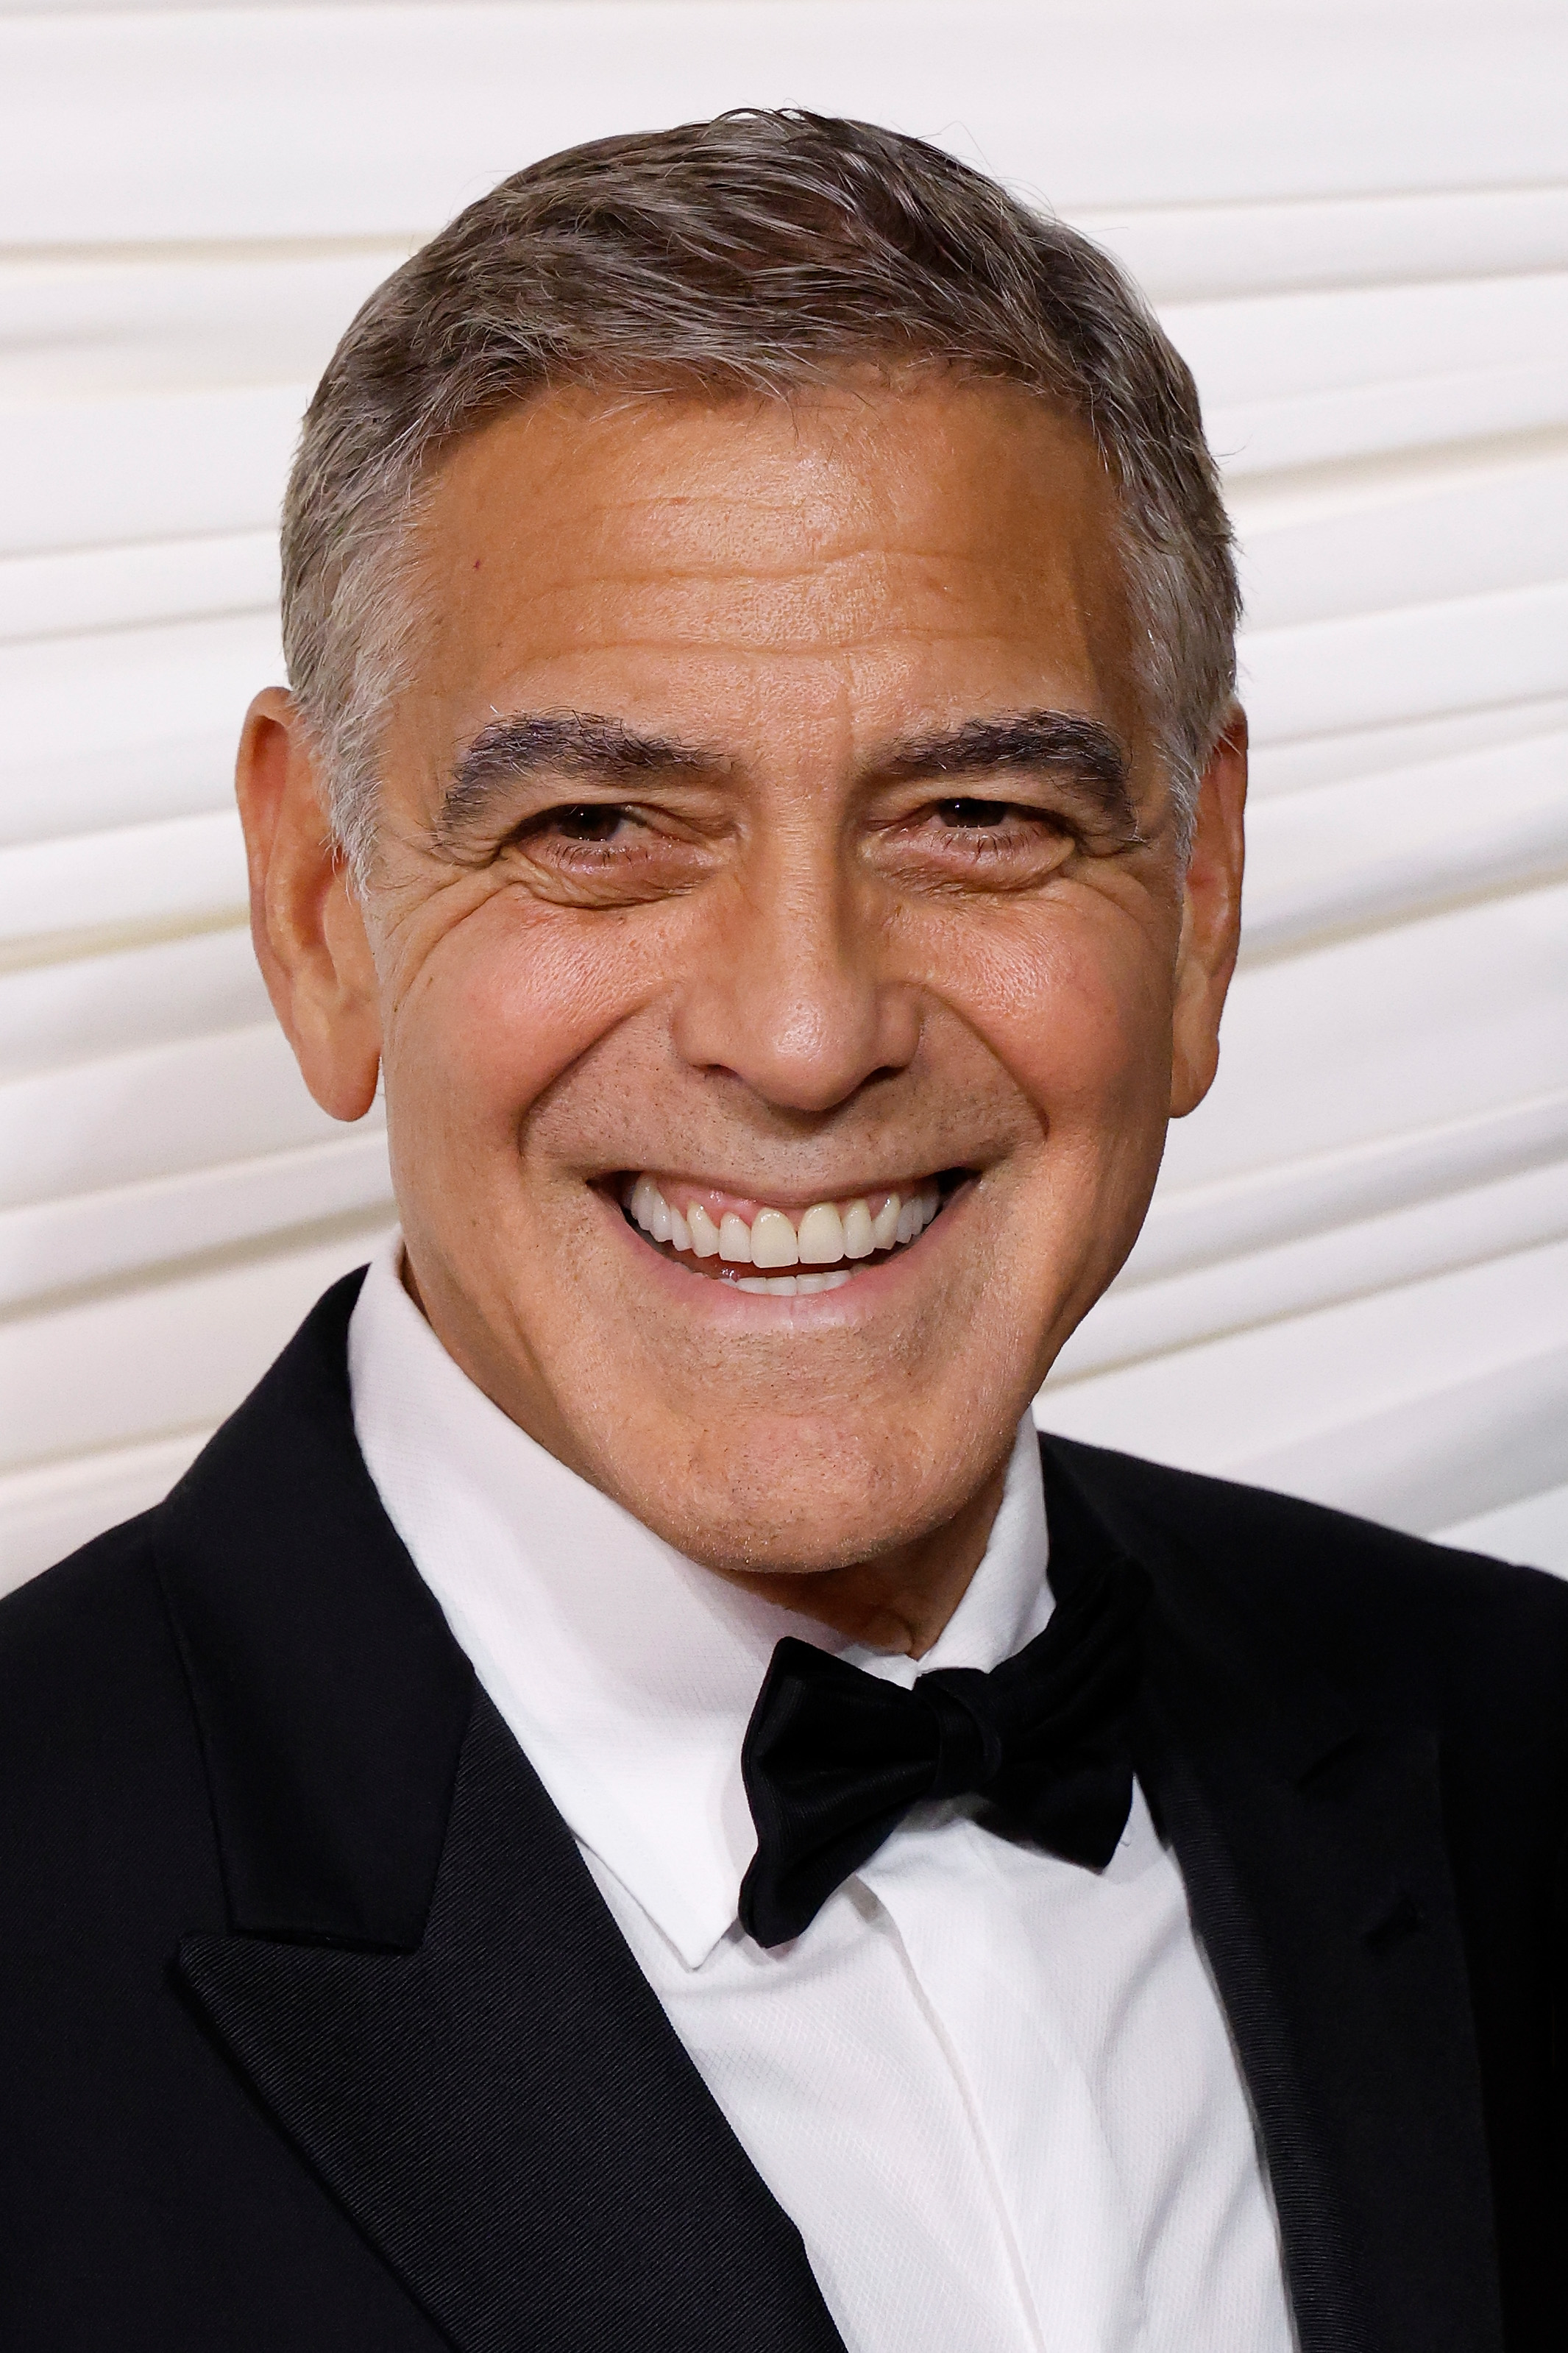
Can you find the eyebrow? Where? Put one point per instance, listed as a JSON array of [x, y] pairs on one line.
[[1032, 740], [570, 743], [589, 746]]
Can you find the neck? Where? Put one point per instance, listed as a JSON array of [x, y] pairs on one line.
[[901, 1600]]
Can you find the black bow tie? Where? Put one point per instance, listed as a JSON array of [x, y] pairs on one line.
[[834, 1758]]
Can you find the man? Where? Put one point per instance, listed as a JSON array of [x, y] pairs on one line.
[[626, 1801]]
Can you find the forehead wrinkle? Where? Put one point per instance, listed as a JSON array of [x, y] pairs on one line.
[[802, 574], [660, 566], [813, 650]]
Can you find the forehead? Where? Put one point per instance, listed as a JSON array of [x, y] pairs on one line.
[[929, 546]]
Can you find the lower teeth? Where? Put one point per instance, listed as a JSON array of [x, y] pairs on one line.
[[791, 1286]]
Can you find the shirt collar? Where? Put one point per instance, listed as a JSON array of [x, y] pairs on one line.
[[627, 1673]]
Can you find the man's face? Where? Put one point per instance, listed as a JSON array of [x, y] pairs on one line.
[[771, 829]]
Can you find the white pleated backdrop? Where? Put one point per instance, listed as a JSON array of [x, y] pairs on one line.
[[1354, 221]]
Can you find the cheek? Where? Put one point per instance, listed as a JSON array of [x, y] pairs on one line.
[[1074, 1003], [505, 1003]]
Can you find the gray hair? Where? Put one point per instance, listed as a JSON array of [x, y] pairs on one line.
[[759, 252]]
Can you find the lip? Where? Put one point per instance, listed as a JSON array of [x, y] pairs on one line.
[[871, 1289]]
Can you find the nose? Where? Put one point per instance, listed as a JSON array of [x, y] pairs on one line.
[[791, 995]]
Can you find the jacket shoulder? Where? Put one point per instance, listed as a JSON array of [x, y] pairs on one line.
[[1353, 1595], [86, 1600], [96, 1724]]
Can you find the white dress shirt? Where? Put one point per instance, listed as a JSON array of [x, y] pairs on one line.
[[994, 2091]]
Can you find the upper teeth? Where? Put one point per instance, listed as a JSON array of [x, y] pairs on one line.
[[823, 1235]]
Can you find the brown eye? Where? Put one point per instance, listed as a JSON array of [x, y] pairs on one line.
[[969, 813], [588, 822]]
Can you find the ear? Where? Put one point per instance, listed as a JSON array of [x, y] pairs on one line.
[[1211, 918], [305, 916]]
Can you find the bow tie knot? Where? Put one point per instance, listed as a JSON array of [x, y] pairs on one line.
[[968, 1745], [834, 1758]]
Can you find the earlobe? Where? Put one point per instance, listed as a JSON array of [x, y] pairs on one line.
[[305, 921], [1211, 918]]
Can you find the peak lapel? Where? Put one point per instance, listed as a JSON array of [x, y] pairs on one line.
[[423, 1987], [506, 2111], [1313, 1845]]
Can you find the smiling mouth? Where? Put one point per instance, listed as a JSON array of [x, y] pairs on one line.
[[746, 1243]]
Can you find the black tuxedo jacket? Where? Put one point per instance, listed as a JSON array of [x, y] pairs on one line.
[[315, 2033]]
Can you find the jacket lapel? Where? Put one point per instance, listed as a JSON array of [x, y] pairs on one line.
[[1311, 1843], [422, 1984], [505, 2110]]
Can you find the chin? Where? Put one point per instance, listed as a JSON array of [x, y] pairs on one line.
[[798, 1498]]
